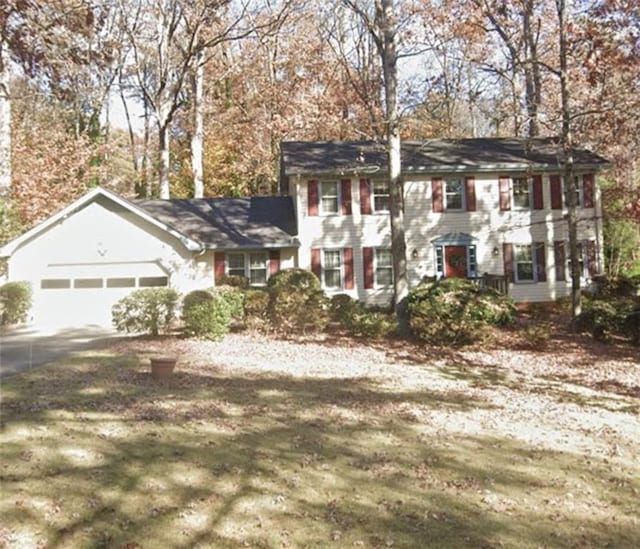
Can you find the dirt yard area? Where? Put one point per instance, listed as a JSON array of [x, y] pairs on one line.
[[328, 441]]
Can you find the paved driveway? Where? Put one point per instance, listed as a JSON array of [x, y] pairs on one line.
[[25, 348]]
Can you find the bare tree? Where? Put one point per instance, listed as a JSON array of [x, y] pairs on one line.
[[383, 27]]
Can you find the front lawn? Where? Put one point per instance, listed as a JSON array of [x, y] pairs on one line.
[[263, 443]]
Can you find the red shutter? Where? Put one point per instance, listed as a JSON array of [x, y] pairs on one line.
[[507, 253], [316, 265], [218, 266], [347, 258], [345, 196], [555, 186], [505, 193], [367, 260], [274, 262], [559, 260], [538, 201], [541, 261], [365, 197], [436, 195], [592, 263], [312, 197], [470, 191], [587, 190]]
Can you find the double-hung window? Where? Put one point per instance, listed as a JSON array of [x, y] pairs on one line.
[[524, 263], [521, 193], [380, 195], [329, 197], [252, 266], [383, 267], [454, 194], [581, 262], [332, 269], [578, 192]]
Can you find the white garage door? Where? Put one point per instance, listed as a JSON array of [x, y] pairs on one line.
[[83, 295]]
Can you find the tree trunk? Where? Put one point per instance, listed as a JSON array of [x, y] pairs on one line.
[[387, 25], [198, 127], [531, 71], [567, 149], [5, 125], [163, 145]]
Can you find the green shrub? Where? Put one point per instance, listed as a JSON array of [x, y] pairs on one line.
[[147, 310], [603, 318], [606, 287], [256, 309], [454, 311], [342, 307], [296, 302], [237, 281], [631, 326], [15, 302], [363, 322], [195, 297], [233, 297], [207, 318]]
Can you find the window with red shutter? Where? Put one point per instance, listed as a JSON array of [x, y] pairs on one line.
[[274, 262], [470, 192], [367, 262], [538, 200], [312, 197], [218, 265], [436, 195], [559, 259], [365, 197], [555, 188], [345, 196], [316, 264], [347, 258], [504, 186], [541, 262], [587, 190], [507, 254]]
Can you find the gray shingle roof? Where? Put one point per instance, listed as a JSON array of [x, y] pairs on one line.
[[431, 156], [255, 222]]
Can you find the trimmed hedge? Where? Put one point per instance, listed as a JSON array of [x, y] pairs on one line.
[[15, 302], [147, 310], [453, 311], [296, 302]]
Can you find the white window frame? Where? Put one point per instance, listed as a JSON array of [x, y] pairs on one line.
[[532, 252], [376, 266], [374, 194], [340, 268], [529, 181], [446, 193], [338, 198], [579, 179], [247, 269]]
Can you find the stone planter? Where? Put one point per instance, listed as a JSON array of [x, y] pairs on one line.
[[162, 367]]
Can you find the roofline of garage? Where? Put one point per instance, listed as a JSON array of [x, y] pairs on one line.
[[11, 246]]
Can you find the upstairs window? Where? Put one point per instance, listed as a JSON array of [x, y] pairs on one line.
[[578, 192], [454, 194], [521, 193], [329, 197], [380, 193]]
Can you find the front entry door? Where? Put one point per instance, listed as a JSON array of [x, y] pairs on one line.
[[455, 261]]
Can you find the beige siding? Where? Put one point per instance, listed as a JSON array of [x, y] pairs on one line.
[[489, 226]]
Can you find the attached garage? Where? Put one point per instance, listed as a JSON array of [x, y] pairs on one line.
[[102, 247]]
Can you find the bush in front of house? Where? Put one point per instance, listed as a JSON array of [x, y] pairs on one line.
[[232, 280], [206, 315], [342, 307], [256, 309], [603, 318], [148, 310], [233, 297], [361, 321], [296, 302], [15, 302], [454, 311]]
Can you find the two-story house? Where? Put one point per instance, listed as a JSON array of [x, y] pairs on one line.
[[471, 206]]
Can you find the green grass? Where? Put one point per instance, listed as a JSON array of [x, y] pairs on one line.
[[96, 454]]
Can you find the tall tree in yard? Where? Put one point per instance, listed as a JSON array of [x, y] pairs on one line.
[[383, 26]]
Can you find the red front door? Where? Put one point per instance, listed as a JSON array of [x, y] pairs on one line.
[[455, 261]]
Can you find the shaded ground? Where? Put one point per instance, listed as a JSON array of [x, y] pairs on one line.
[[263, 443]]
